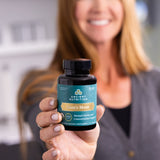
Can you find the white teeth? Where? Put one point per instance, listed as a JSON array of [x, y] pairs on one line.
[[99, 22]]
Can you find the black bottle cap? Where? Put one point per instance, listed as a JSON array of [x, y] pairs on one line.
[[77, 64]]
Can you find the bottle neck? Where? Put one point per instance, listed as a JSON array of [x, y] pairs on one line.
[[77, 73]]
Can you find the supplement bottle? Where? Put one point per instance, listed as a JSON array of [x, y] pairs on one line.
[[77, 95]]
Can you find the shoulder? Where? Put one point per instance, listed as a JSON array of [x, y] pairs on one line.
[[149, 79], [153, 75], [35, 84], [32, 78]]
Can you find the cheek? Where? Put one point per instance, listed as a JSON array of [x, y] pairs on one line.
[[81, 11], [80, 16], [120, 12], [78, 12]]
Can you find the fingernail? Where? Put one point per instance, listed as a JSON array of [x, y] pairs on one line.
[[55, 117], [57, 128], [51, 102], [54, 153]]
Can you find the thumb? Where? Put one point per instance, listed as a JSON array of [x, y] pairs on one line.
[[100, 111]]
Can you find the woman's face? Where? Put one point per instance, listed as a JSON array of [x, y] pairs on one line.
[[99, 20]]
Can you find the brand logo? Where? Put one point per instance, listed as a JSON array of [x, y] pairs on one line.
[[78, 92], [78, 96]]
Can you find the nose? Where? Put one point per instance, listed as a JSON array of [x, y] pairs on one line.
[[99, 5]]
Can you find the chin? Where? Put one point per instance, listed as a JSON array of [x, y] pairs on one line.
[[101, 40]]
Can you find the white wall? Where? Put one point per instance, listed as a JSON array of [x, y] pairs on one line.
[[17, 11], [27, 40]]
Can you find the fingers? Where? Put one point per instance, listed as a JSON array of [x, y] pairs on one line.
[[51, 132], [52, 154], [44, 119], [48, 104], [100, 111], [49, 118], [49, 115]]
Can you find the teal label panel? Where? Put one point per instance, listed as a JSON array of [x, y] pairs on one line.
[[78, 104]]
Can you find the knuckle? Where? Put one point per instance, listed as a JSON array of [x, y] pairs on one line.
[[37, 118], [43, 156], [40, 116], [42, 135], [41, 104]]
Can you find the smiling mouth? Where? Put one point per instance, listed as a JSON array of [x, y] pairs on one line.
[[99, 22]]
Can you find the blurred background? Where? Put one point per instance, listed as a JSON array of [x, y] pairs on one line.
[[28, 40]]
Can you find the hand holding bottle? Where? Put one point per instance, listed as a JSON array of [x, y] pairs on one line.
[[62, 144]]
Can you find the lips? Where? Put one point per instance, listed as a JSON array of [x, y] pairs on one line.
[[99, 22]]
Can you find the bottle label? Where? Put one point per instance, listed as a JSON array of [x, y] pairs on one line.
[[78, 104]]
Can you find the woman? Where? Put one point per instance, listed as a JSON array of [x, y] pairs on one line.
[[107, 32]]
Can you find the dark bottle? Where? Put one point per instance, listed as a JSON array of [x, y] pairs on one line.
[[77, 95]]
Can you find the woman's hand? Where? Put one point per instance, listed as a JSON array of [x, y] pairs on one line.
[[62, 144]]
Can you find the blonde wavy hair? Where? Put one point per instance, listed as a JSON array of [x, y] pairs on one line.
[[73, 44]]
